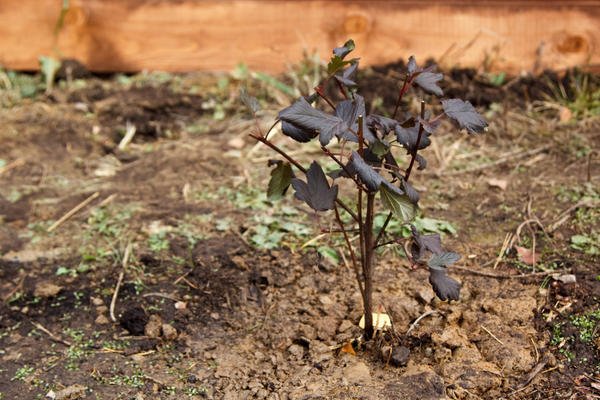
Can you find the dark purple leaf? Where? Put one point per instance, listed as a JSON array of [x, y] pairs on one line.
[[316, 191], [428, 82], [298, 134], [407, 138], [421, 161], [410, 191], [412, 65], [444, 287], [382, 124], [367, 175], [302, 115], [346, 77], [443, 260], [344, 50], [421, 244], [430, 125], [465, 115], [348, 111]]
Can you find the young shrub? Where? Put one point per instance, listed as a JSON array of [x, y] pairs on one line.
[[368, 147]]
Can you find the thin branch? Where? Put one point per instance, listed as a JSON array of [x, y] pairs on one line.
[[351, 250], [322, 95], [416, 150], [407, 174], [266, 135], [334, 158], [382, 231], [403, 90]]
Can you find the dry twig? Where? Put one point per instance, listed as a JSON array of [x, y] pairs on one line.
[[124, 263], [73, 211], [414, 324], [50, 334], [492, 335]]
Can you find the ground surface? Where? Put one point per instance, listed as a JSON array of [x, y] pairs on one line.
[[218, 297]]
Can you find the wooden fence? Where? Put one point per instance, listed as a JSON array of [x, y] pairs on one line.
[[187, 35]]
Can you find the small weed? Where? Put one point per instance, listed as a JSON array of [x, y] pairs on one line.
[[22, 373], [586, 324], [581, 95], [194, 391], [78, 349], [158, 242], [135, 380], [589, 244]]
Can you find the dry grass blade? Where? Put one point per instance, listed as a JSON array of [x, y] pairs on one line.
[[124, 263], [73, 211]]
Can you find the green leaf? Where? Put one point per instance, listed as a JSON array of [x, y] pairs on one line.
[[335, 64], [379, 148], [281, 178], [580, 239], [49, 67], [329, 253], [276, 83], [400, 205]]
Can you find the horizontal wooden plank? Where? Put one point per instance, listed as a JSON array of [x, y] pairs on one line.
[[188, 35]]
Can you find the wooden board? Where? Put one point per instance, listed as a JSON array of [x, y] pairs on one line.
[[188, 35]]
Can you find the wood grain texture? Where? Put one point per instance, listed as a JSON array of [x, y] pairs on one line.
[[188, 35]]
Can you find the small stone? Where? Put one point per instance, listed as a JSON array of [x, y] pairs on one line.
[[72, 392], [180, 305], [215, 316], [357, 374], [152, 328], [345, 325], [236, 143], [400, 356], [169, 332], [102, 320], [96, 301], [426, 295], [566, 278], [326, 327], [325, 300], [46, 289], [296, 350], [101, 309]]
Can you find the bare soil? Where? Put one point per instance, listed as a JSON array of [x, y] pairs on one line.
[[204, 312]]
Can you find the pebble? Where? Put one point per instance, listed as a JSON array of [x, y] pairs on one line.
[[152, 328], [357, 374], [400, 356], [102, 320], [96, 301], [46, 289], [169, 332]]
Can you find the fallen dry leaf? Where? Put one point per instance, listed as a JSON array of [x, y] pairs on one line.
[[347, 348], [526, 255], [565, 114]]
